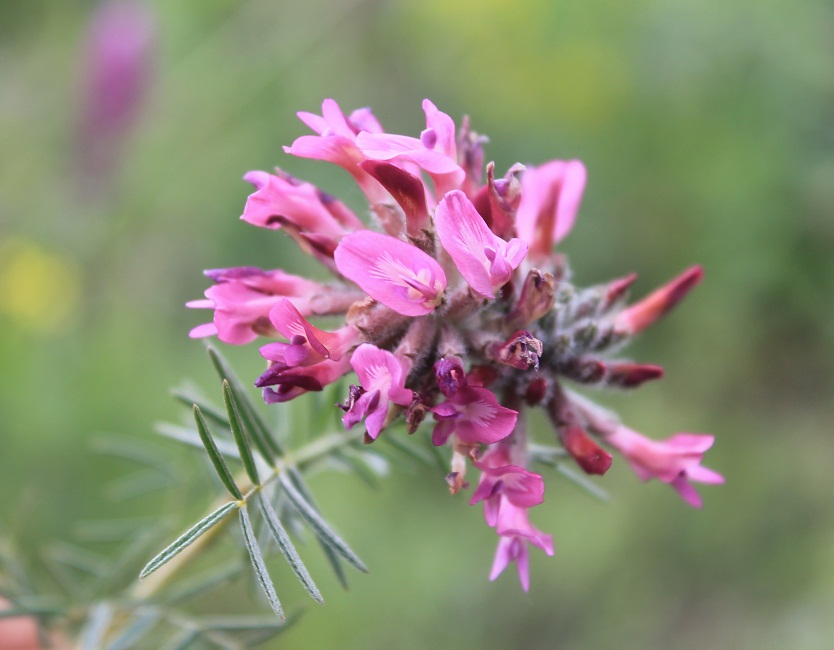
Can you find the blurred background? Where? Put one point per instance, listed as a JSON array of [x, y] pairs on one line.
[[708, 132]]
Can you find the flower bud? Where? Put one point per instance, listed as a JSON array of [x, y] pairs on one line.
[[640, 315]]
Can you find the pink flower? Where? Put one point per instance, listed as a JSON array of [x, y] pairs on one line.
[[474, 416], [243, 296], [435, 151], [290, 382], [285, 202], [336, 142], [519, 486], [550, 197], [484, 260], [676, 460], [118, 69], [382, 376], [307, 345], [640, 315], [395, 273], [516, 533]]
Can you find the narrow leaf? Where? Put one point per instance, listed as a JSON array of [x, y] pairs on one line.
[[582, 481], [356, 464], [202, 583], [320, 526], [247, 415], [18, 611], [409, 449], [214, 455], [191, 437], [248, 411], [188, 537], [182, 640], [96, 626], [258, 563], [241, 439], [287, 548], [141, 625], [333, 558], [189, 398]]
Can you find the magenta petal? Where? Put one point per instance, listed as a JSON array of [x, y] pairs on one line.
[[687, 492], [484, 260], [395, 273], [550, 198], [206, 329], [442, 128]]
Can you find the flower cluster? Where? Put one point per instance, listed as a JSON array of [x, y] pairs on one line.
[[454, 306]]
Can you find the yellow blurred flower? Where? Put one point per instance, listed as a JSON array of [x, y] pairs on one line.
[[39, 289]]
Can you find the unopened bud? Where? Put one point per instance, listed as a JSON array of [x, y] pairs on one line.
[[629, 375], [536, 391], [617, 290], [640, 315], [537, 297], [585, 370], [592, 458], [376, 321]]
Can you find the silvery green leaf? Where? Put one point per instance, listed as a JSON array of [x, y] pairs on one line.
[[214, 455], [112, 530], [79, 558], [582, 481], [239, 433], [355, 463], [191, 437], [200, 584], [137, 484], [319, 525], [287, 548], [248, 411], [138, 451], [95, 627], [189, 398], [143, 622], [258, 562], [188, 537], [182, 640], [15, 611], [297, 480]]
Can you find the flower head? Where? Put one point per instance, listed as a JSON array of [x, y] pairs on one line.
[[455, 305]]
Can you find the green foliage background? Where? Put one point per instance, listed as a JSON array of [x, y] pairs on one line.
[[708, 132]]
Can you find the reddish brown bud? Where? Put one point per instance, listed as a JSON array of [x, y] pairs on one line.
[[592, 458], [537, 297], [617, 289], [628, 375], [641, 314], [536, 391]]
